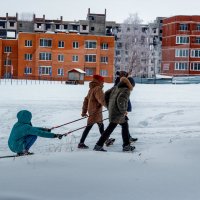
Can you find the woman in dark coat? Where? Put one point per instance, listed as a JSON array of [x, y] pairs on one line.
[[117, 107], [129, 108]]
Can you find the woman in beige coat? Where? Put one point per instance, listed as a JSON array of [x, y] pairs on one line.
[[92, 107]]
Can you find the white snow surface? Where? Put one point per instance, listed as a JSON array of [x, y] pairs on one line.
[[164, 166]]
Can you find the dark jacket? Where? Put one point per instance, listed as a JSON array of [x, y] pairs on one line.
[[94, 102], [117, 80], [118, 100], [21, 129]]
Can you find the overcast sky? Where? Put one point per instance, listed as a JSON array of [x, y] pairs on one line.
[[117, 10]]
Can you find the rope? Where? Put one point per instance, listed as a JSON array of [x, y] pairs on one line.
[[67, 133], [76, 120]]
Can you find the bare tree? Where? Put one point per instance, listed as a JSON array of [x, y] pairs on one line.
[[133, 44]]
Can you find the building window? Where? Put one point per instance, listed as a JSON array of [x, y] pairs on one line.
[[74, 27], [27, 70], [60, 58], [104, 59], [48, 26], [195, 53], [91, 18], [28, 43], [90, 58], [60, 72], [74, 58], [90, 44], [195, 67], [198, 27], [45, 70], [182, 53], [117, 52], [61, 44], [197, 40], [84, 27], [57, 26], [181, 66], [46, 42], [104, 46], [65, 26], [182, 39], [27, 56], [2, 24], [7, 62], [45, 56], [103, 72], [39, 25], [7, 49], [75, 45], [89, 71], [183, 27], [12, 24]]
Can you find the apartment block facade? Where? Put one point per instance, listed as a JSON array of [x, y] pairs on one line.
[[181, 46], [52, 55]]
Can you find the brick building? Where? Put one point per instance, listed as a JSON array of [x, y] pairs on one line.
[[52, 55], [181, 45]]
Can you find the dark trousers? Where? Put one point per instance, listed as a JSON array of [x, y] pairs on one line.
[[106, 134], [29, 141], [87, 130]]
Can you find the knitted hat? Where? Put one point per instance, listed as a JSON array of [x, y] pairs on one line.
[[98, 77]]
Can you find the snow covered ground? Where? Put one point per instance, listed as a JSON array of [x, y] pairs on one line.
[[164, 166]]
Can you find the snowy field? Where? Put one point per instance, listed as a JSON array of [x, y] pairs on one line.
[[164, 166]]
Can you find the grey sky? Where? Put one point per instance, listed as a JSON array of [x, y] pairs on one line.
[[117, 10]]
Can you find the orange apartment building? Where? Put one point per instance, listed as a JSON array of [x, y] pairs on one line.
[[52, 55], [181, 46]]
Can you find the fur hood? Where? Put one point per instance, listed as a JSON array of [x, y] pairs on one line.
[[124, 82]]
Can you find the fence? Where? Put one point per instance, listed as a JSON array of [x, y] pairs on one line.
[[34, 80]]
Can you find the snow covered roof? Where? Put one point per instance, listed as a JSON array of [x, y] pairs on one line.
[[78, 70]]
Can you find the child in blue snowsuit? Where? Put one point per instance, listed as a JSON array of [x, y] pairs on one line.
[[23, 134]]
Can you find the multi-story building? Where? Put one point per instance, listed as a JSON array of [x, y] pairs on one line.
[[181, 45], [95, 24], [52, 55], [155, 47]]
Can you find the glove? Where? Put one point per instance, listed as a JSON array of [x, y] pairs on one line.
[[47, 129], [84, 115], [59, 136]]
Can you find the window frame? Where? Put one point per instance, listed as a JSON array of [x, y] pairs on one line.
[[90, 44], [61, 44], [61, 58], [91, 58], [46, 42], [46, 55]]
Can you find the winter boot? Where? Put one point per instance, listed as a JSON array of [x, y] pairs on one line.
[[109, 141], [98, 148], [132, 139], [82, 146], [128, 148]]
